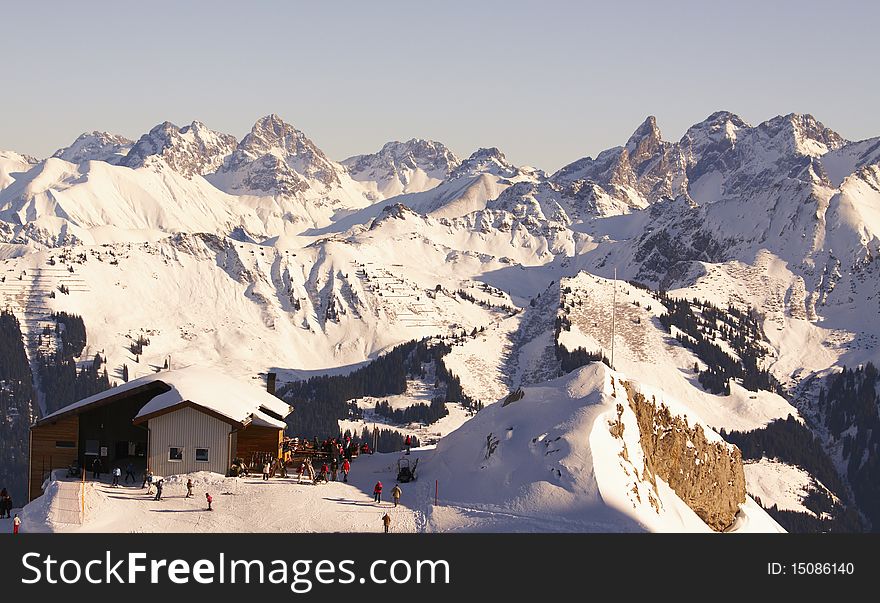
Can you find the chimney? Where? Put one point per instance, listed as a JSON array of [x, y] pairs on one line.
[[270, 383]]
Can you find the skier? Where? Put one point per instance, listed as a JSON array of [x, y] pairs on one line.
[[395, 494], [386, 519], [129, 472], [16, 524], [325, 470], [117, 473], [346, 467], [408, 443], [189, 488], [266, 471], [377, 492], [159, 486], [210, 500]]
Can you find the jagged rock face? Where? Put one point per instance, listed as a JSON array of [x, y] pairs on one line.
[[95, 146], [750, 160], [192, 150], [397, 161], [676, 238], [277, 158], [707, 476], [705, 144], [485, 161], [641, 172]]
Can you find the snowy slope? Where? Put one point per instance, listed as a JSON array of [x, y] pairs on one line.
[[555, 464], [556, 467]]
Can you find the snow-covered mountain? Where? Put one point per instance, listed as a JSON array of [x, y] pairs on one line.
[[191, 150], [273, 255], [403, 167], [96, 146]]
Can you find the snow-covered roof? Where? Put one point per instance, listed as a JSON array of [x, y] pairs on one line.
[[237, 400]]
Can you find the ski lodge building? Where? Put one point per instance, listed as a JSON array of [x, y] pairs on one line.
[[174, 422]]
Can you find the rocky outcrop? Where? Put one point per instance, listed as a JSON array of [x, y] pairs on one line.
[[707, 476]]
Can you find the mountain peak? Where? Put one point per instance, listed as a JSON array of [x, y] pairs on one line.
[[803, 134], [95, 146], [403, 167], [645, 143], [191, 150], [486, 160]]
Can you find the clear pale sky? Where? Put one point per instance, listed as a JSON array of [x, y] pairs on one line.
[[547, 82]]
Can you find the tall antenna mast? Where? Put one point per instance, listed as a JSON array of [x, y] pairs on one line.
[[613, 316]]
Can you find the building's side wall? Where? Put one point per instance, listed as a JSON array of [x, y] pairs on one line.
[[256, 439], [46, 455], [190, 429]]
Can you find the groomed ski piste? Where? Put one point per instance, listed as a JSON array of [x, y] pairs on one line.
[[547, 462]]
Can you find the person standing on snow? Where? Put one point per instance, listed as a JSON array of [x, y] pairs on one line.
[[117, 473], [189, 488], [96, 468], [159, 486], [346, 467], [377, 492], [334, 468], [395, 494], [266, 471], [129, 472], [210, 500], [386, 519], [408, 443], [16, 524]]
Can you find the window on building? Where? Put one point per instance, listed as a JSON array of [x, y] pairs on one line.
[[175, 453], [64, 444], [201, 455], [92, 447]]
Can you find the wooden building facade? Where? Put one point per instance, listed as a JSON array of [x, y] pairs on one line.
[[178, 435]]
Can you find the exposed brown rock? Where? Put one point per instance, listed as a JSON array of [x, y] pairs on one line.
[[707, 476]]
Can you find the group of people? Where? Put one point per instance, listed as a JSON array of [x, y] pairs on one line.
[[396, 492], [6, 510], [160, 484], [116, 472], [329, 470]]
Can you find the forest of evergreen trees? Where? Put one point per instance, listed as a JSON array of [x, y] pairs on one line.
[[321, 401], [389, 440], [16, 400], [792, 442], [851, 407], [416, 413], [62, 382], [739, 329]]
